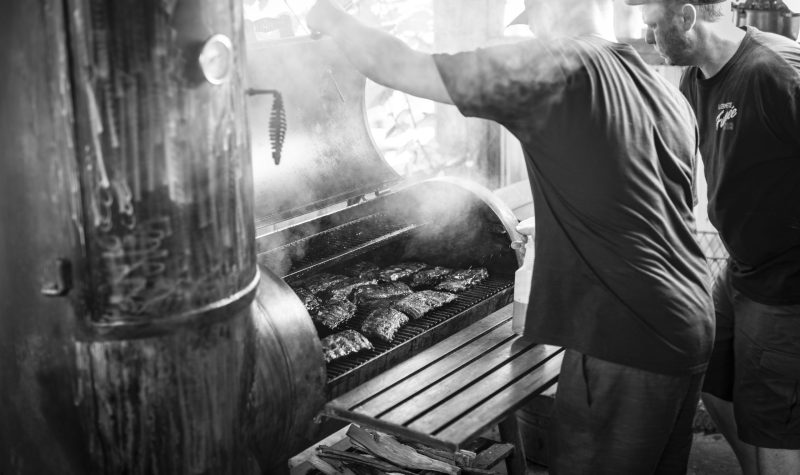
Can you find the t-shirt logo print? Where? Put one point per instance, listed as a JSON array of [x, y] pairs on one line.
[[727, 111]]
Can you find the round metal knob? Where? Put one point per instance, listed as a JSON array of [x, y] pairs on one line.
[[216, 59]]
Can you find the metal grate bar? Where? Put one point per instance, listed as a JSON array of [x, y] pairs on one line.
[[310, 254]]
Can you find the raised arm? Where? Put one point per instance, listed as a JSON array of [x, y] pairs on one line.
[[379, 55]]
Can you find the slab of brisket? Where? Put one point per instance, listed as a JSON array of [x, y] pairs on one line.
[[429, 277], [362, 295], [343, 344], [369, 306], [419, 303], [334, 313], [322, 282], [383, 324], [311, 302], [462, 280], [400, 272], [343, 289]]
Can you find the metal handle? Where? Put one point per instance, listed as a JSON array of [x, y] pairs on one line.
[[277, 121], [61, 279]]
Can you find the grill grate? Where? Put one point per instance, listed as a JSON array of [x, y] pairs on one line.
[[310, 254], [463, 304]]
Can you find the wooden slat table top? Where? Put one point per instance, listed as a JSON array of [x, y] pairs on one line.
[[458, 388]]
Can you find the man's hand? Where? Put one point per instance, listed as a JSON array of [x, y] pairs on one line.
[[324, 16], [377, 54]]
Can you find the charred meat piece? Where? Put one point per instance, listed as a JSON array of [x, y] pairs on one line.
[[342, 290], [418, 304], [369, 306], [462, 280], [362, 269], [429, 277], [383, 324], [343, 344], [400, 272], [381, 291], [311, 302], [322, 282], [334, 313]]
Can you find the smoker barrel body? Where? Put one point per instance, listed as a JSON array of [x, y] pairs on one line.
[[134, 333]]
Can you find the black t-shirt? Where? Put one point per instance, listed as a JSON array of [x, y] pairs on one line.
[[610, 149], [749, 118]]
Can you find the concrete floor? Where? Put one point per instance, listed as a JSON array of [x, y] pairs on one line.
[[711, 455]]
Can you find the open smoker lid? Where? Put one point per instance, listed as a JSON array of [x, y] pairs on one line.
[[328, 155]]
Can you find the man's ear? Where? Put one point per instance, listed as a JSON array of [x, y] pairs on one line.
[[688, 16]]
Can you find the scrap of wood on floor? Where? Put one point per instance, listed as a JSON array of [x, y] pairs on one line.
[[368, 452]]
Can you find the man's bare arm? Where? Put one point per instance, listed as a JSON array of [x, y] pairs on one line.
[[379, 55]]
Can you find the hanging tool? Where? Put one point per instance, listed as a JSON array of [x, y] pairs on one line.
[[277, 121]]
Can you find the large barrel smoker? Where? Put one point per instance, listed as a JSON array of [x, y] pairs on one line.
[[776, 16], [148, 322]]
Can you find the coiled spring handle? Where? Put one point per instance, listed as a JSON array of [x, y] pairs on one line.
[[277, 121]]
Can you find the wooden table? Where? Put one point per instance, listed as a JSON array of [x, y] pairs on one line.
[[454, 391]]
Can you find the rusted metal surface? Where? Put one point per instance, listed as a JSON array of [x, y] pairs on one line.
[[328, 154], [289, 385], [164, 159], [40, 429], [223, 384], [170, 404]]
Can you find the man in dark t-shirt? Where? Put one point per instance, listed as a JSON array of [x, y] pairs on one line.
[[744, 86], [619, 279]]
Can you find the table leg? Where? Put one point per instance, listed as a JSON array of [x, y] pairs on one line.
[[509, 433]]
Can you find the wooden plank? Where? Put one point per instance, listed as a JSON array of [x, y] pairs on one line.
[[394, 429], [400, 372], [483, 394], [510, 399], [477, 420], [459, 382], [462, 359], [494, 454], [337, 440], [399, 454]]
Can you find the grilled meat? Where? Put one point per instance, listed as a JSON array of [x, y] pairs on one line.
[[462, 280], [342, 290], [362, 269], [322, 282], [400, 272], [343, 344], [369, 306], [311, 302], [334, 313], [383, 324], [362, 295], [429, 277], [418, 304]]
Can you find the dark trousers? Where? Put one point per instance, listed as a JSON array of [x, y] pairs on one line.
[[620, 420]]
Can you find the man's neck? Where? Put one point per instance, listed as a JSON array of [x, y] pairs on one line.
[[718, 44]]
